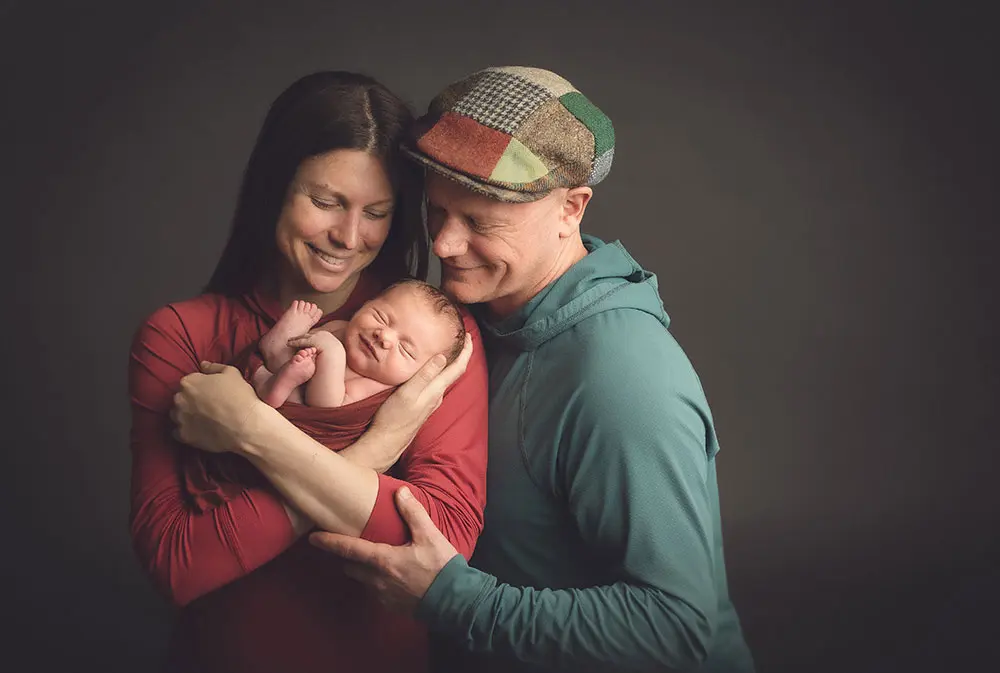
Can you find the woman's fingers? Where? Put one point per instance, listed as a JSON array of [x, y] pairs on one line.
[[455, 370], [426, 374], [413, 402], [432, 380], [213, 367]]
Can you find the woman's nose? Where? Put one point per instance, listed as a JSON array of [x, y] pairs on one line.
[[346, 233]]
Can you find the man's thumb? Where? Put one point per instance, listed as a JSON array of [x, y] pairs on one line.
[[415, 516]]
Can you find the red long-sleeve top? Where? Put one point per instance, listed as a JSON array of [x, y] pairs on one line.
[[251, 597]]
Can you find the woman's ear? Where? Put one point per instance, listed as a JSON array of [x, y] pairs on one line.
[[573, 206]]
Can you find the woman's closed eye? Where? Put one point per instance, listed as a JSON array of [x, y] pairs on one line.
[[324, 205], [377, 214]]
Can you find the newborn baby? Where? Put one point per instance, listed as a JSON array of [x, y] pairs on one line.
[[383, 344]]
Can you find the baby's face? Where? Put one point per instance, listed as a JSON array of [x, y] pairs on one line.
[[394, 334]]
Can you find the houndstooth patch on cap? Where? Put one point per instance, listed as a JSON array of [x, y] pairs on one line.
[[501, 100]]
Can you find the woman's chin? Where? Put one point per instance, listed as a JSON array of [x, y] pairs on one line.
[[327, 282]]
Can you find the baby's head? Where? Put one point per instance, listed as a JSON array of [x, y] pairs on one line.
[[396, 333]]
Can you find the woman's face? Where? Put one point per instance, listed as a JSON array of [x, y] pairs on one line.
[[335, 219]]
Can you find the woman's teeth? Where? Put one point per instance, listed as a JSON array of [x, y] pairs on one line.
[[329, 259]]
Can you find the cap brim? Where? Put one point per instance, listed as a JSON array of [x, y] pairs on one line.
[[484, 188]]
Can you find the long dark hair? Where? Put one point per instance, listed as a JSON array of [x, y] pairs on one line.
[[320, 113]]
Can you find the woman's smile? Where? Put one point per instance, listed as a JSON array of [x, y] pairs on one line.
[[328, 260]]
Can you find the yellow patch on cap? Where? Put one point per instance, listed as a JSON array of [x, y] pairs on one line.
[[518, 165]]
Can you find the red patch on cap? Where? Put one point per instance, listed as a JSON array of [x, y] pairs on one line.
[[464, 144]]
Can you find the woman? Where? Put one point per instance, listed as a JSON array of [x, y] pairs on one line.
[[329, 213]]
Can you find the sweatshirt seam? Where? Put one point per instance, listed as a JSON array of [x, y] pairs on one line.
[[470, 612], [549, 333], [520, 419]]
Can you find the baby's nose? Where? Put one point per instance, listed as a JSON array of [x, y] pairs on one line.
[[385, 337]]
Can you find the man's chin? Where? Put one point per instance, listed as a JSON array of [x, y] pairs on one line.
[[463, 292]]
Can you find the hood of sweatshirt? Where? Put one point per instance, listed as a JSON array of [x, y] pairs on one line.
[[607, 278]]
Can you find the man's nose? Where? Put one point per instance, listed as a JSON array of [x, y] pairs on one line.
[[450, 240]]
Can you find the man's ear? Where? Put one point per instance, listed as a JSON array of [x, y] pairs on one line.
[[573, 206]]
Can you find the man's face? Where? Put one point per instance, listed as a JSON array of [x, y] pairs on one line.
[[491, 251]]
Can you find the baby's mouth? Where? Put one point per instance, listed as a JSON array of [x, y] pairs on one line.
[[369, 347]]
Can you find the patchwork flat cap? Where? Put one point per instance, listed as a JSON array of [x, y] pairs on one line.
[[514, 134]]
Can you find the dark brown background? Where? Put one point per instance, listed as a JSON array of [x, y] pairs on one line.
[[815, 188]]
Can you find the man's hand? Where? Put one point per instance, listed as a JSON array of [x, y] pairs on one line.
[[211, 410], [401, 575]]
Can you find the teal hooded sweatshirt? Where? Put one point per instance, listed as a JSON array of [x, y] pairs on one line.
[[602, 545]]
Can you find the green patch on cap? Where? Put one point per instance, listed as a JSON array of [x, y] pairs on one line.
[[592, 118]]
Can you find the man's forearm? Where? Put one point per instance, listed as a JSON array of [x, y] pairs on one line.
[[327, 488], [624, 627]]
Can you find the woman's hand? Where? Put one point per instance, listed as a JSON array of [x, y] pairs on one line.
[[400, 417], [212, 409]]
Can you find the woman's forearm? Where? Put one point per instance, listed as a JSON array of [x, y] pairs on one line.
[[333, 492]]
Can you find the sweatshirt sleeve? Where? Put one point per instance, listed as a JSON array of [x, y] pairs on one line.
[[634, 459], [445, 466], [191, 531]]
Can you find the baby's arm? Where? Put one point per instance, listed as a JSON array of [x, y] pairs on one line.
[[326, 387]]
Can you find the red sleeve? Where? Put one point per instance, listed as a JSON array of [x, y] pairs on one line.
[[190, 534], [445, 466]]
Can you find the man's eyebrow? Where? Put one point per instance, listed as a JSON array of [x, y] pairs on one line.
[[319, 186]]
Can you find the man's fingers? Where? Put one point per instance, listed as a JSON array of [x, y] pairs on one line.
[[421, 526], [347, 547]]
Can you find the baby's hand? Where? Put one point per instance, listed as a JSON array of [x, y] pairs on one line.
[[321, 340]]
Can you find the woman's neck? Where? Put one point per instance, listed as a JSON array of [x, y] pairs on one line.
[[289, 290]]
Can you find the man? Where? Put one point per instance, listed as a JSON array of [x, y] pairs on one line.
[[602, 548]]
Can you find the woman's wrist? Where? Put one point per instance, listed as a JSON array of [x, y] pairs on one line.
[[257, 430], [376, 449], [389, 439]]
